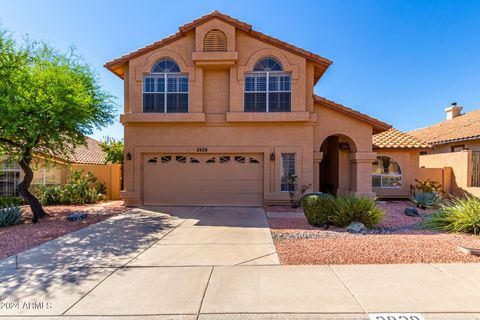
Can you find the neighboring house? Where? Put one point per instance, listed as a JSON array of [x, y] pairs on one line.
[[89, 158], [456, 145], [397, 164], [219, 113], [459, 131]]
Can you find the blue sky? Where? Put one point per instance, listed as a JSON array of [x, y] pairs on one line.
[[400, 61]]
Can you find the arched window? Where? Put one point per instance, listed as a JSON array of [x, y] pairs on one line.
[[215, 40], [165, 66], [267, 87], [386, 173], [267, 64], [165, 89], [9, 179]]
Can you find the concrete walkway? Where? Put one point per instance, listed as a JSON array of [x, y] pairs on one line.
[[215, 263]]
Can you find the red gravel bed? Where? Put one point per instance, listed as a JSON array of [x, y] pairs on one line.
[[398, 239], [377, 249], [394, 216], [26, 235]]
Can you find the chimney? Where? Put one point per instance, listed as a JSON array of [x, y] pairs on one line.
[[453, 111]]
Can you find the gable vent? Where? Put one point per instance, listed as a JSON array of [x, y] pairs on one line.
[[215, 40]]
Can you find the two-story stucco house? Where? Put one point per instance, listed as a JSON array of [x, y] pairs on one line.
[[219, 113]]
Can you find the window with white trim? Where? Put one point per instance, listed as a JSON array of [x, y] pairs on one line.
[[287, 169], [386, 173], [267, 88], [165, 89], [9, 179]]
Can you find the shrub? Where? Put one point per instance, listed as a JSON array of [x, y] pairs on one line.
[[80, 189], [426, 199], [457, 215], [318, 208], [428, 186], [349, 208], [7, 201], [10, 215]]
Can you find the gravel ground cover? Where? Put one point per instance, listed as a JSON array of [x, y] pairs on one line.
[[18, 238], [397, 239]]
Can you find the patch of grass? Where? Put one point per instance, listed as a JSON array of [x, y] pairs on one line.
[[349, 208], [457, 215]]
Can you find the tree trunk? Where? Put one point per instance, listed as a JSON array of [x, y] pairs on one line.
[[23, 186]]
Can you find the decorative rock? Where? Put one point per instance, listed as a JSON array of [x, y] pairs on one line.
[[470, 251], [74, 216], [356, 227], [411, 212]]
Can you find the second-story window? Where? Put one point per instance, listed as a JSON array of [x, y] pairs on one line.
[[267, 88], [165, 89]]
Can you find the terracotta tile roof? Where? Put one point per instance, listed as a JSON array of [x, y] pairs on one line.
[[395, 139], [91, 153], [461, 128], [114, 64], [378, 125]]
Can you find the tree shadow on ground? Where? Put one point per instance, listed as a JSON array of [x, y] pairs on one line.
[[75, 262]]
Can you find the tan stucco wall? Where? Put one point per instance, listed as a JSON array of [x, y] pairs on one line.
[[216, 120], [440, 175], [109, 174], [408, 161], [461, 169]]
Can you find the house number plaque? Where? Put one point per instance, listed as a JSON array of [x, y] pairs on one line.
[[202, 149]]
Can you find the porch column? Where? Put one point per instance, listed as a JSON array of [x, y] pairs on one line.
[[317, 158], [361, 173]]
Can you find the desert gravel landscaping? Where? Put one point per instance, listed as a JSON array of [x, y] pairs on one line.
[[26, 235], [397, 239]]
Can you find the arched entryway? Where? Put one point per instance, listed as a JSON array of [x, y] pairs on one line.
[[335, 168]]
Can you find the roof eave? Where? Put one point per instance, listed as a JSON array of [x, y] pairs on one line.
[[378, 126], [403, 148], [440, 142], [320, 61]]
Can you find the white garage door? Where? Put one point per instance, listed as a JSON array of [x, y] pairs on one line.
[[203, 179]]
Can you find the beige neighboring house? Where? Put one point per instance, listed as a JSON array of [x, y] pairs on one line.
[[456, 148], [89, 158], [220, 113]]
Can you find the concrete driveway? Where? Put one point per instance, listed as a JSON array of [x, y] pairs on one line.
[[213, 236], [215, 263]]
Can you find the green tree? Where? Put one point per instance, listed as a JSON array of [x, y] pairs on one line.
[[113, 149], [49, 101]]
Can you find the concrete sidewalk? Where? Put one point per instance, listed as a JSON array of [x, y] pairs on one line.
[[446, 291], [188, 264]]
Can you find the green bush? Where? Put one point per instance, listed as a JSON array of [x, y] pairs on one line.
[[349, 208], [10, 215], [318, 208], [80, 189], [7, 201], [457, 215]]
